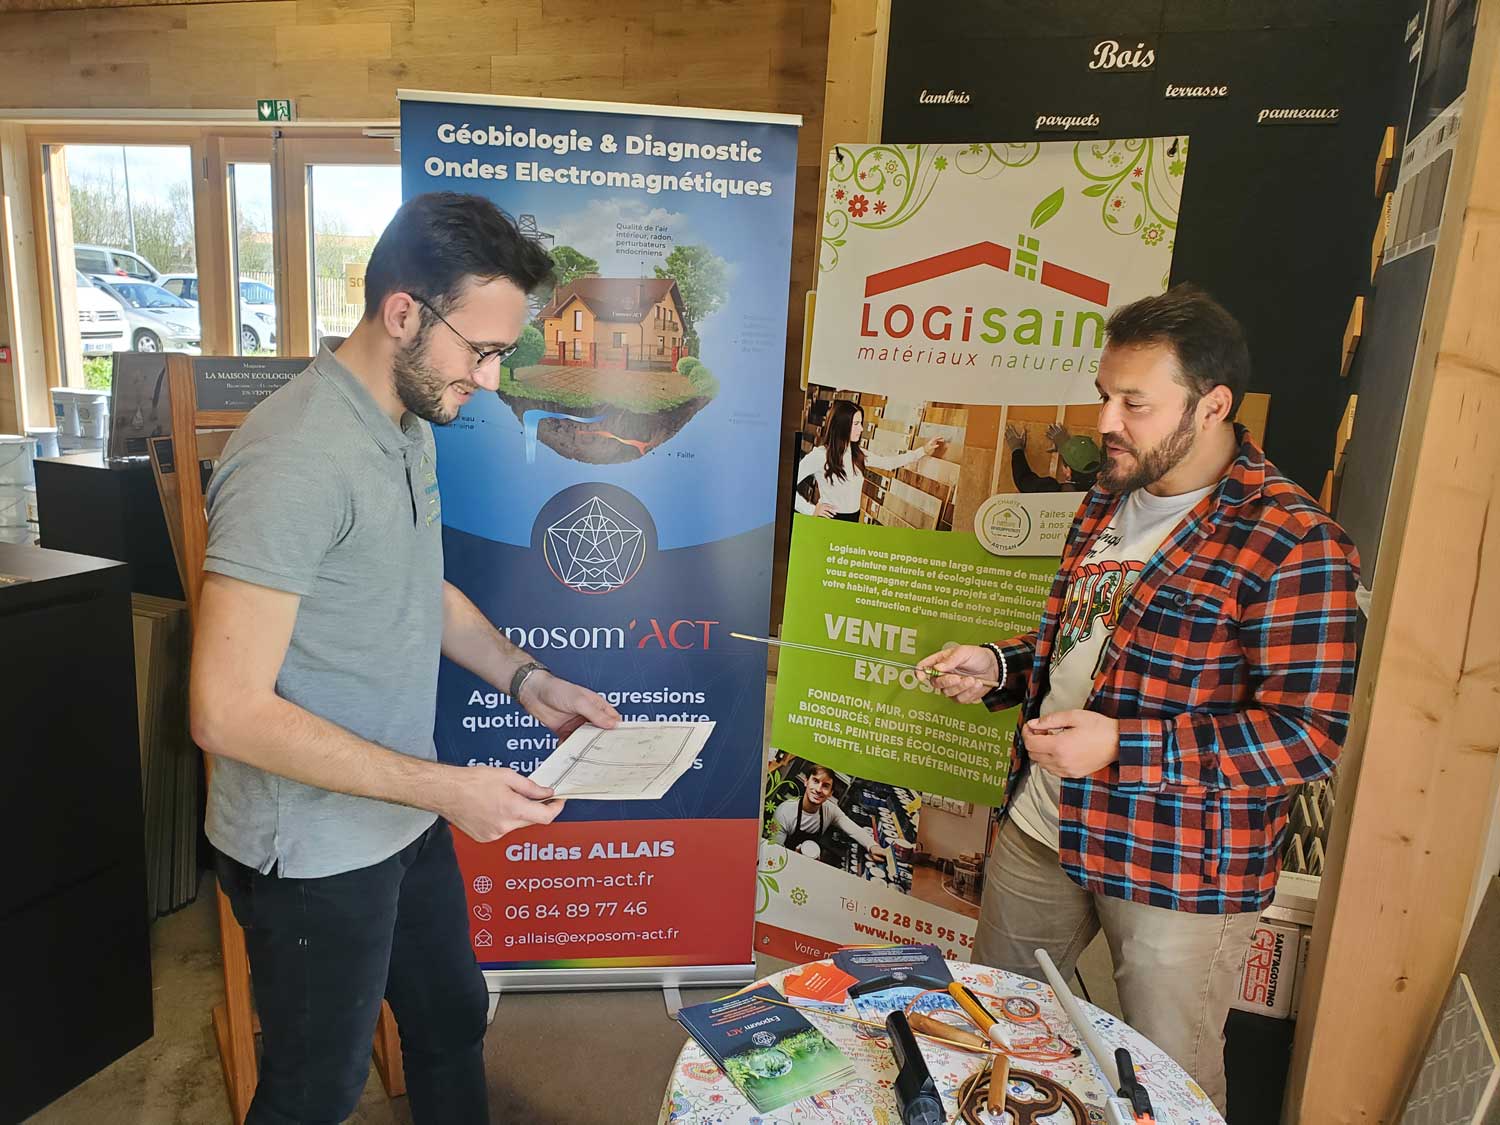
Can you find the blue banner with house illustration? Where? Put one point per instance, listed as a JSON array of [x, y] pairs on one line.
[[612, 508]]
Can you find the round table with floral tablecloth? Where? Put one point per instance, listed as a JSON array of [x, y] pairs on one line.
[[701, 1094]]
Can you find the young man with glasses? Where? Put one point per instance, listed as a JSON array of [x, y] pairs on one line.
[[314, 681]]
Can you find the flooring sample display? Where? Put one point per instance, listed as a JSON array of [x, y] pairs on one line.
[[1456, 1084], [170, 764]]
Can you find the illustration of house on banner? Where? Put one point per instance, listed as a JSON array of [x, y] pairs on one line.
[[615, 322]]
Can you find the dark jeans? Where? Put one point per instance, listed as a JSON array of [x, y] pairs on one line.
[[323, 952]]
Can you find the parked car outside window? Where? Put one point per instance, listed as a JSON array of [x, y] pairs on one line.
[[159, 320]]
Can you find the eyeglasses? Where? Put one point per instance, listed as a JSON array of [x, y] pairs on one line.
[[481, 355]]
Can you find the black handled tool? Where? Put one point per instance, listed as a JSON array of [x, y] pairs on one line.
[[915, 1089], [1131, 1088]]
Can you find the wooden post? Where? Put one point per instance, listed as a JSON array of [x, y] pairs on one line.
[[65, 288], [218, 288], [19, 283], [854, 98], [1416, 782]]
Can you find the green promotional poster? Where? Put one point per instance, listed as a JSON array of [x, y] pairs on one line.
[[895, 595], [950, 433]]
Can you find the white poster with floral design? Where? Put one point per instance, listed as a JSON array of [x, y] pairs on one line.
[[962, 300], [984, 273]]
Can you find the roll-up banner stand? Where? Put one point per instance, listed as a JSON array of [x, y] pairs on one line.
[[611, 510], [963, 291]]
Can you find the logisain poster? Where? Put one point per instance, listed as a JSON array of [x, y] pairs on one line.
[[962, 296]]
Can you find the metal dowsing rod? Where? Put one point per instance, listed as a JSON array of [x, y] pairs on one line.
[[852, 655]]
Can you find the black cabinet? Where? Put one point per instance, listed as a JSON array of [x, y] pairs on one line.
[[110, 510], [75, 978]]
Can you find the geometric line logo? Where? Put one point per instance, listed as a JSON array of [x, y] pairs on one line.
[[594, 549]]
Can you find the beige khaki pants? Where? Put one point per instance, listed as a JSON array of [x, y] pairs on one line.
[[1176, 972]]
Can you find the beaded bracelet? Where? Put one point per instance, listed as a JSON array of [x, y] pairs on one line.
[[1000, 663]]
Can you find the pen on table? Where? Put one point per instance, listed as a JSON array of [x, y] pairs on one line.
[[978, 1014]]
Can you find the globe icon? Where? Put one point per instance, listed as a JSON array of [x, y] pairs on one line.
[[483, 885]]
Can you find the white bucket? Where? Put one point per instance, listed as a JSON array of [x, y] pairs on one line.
[[93, 413], [13, 506], [16, 456], [65, 411], [33, 513], [80, 411], [46, 440], [23, 534]]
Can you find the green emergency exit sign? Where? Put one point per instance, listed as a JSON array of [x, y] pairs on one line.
[[274, 109]]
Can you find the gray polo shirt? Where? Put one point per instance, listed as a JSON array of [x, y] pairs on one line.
[[320, 494]]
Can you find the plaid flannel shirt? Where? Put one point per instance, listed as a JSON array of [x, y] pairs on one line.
[[1230, 672]]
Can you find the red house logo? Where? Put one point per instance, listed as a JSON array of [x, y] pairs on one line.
[[1026, 261], [1023, 326]]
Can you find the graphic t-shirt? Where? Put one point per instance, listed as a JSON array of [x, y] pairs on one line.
[[1101, 581]]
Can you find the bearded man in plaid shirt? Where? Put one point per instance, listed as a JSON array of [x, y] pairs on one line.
[[1194, 664]]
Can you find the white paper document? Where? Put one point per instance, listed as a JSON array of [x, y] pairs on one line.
[[632, 762]]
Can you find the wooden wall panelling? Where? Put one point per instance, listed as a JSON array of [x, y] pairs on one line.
[[1254, 413], [290, 237], [952, 433], [1377, 240], [63, 290], [18, 240], [84, 5], [42, 164], [9, 392], [849, 86], [212, 230], [977, 466], [1414, 810], [1352, 333], [1082, 416], [1385, 159], [1345, 432], [222, 151]]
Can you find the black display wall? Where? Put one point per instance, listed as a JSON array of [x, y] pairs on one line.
[[1435, 73], [1276, 219]]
